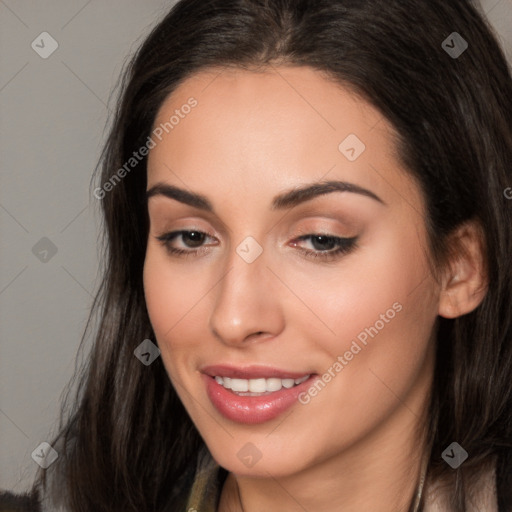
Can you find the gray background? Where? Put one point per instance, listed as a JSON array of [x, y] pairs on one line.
[[53, 113]]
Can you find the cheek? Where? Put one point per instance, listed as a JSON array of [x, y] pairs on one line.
[[378, 312], [160, 293], [173, 300], [381, 311]]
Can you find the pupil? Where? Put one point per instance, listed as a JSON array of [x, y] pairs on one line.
[[323, 242], [194, 237]]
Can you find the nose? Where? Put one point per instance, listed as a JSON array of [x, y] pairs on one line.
[[246, 306]]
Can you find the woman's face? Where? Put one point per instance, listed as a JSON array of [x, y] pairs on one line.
[[302, 255]]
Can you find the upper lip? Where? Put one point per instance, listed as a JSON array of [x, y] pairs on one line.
[[250, 372]]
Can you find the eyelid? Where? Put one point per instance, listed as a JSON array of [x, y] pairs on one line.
[[344, 246], [175, 233], [321, 232], [181, 215]]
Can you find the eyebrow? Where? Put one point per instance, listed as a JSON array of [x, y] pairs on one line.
[[282, 201]]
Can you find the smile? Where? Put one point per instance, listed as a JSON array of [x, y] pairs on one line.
[[258, 387], [254, 394]]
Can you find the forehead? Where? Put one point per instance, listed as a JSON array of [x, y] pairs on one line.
[[287, 122], [287, 101]]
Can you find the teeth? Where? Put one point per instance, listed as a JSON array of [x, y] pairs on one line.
[[240, 385], [258, 385], [288, 383], [274, 384], [301, 380]]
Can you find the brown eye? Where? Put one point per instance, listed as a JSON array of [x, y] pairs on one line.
[[191, 241], [328, 247], [192, 238], [323, 243]]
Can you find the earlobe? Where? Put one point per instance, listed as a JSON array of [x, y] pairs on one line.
[[465, 281]]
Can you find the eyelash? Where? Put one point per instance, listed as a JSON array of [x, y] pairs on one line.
[[345, 245]]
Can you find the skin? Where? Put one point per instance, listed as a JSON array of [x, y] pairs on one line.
[[355, 446]]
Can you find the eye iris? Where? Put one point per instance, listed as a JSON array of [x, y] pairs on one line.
[[193, 238], [323, 242]]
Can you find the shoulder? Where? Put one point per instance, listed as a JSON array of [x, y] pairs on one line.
[[28, 502]]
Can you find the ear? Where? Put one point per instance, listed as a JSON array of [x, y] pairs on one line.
[[464, 283]]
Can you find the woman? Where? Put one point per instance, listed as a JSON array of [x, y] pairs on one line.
[[306, 302]]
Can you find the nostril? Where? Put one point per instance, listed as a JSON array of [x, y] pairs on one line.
[[255, 335]]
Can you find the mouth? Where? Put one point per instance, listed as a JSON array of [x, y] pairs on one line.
[[258, 387], [253, 395]]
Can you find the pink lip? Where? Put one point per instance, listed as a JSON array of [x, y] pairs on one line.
[[252, 410]]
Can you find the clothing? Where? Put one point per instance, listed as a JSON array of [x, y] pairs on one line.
[[205, 493]]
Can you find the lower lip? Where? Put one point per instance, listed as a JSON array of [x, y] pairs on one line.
[[252, 409]]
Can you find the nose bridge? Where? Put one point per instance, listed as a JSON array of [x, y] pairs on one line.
[[245, 302]]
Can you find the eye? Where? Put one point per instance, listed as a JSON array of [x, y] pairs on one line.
[[191, 241], [328, 247]]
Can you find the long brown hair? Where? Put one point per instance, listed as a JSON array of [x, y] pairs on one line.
[[125, 442]]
